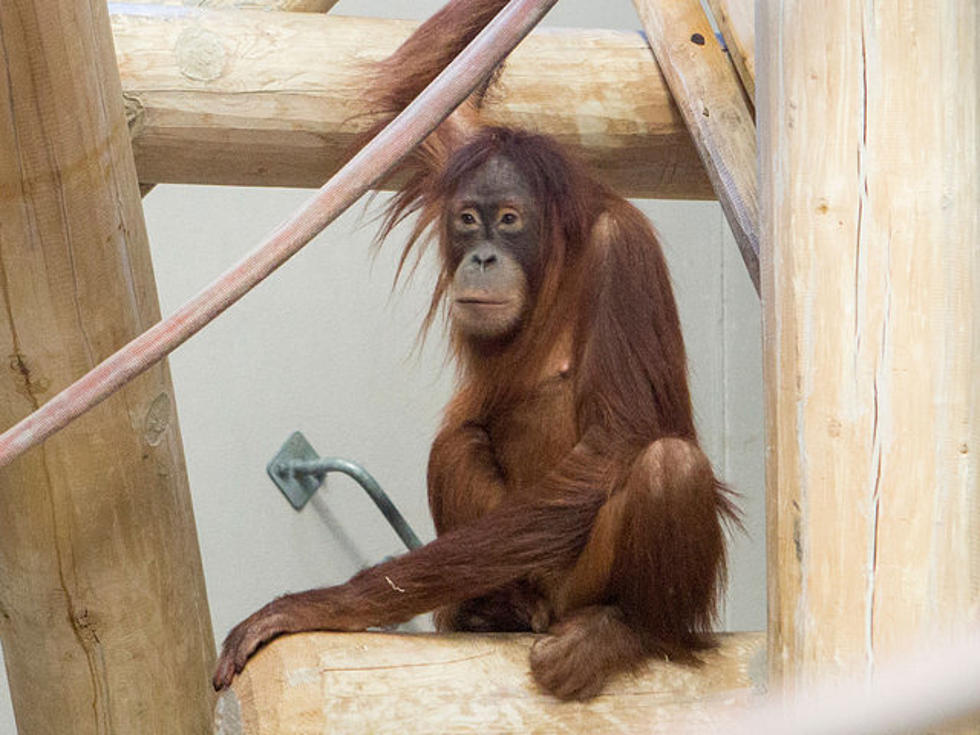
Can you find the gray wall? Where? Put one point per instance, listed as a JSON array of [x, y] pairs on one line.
[[327, 347]]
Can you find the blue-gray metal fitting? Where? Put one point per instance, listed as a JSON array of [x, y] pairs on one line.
[[299, 471]]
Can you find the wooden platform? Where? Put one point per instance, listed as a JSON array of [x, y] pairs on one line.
[[466, 683]]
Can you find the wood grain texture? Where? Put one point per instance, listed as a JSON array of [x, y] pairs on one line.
[[710, 99], [467, 683], [871, 292], [250, 98], [294, 6], [736, 20], [103, 615]]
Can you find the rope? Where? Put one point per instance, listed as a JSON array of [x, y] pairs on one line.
[[934, 688], [405, 132]]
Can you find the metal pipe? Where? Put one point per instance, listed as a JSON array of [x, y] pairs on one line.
[[319, 468]]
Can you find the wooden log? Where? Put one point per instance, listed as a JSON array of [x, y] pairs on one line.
[[711, 102], [736, 20], [468, 683], [103, 614], [249, 98], [293, 6], [871, 294]]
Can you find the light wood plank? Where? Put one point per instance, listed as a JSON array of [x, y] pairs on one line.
[[736, 20], [871, 292], [710, 99], [240, 97], [103, 614], [294, 6], [466, 683]]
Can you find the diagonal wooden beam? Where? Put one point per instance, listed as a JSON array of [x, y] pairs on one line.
[[870, 172], [294, 6], [270, 98], [736, 19], [710, 98]]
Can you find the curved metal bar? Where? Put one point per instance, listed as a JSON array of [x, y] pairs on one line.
[[320, 467]]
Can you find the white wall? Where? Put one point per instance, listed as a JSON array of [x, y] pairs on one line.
[[326, 347]]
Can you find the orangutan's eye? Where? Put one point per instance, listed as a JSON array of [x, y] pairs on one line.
[[469, 218], [509, 218]]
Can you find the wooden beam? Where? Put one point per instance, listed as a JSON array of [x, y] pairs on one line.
[[468, 683], [871, 294], [239, 97], [103, 614], [736, 20], [711, 102], [293, 6]]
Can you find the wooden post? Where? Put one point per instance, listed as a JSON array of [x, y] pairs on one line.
[[103, 614], [871, 290], [353, 683]]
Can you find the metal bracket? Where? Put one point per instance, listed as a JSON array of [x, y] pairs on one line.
[[297, 487], [299, 471]]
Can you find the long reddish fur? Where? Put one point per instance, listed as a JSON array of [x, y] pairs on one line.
[[603, 281], [631, 370]]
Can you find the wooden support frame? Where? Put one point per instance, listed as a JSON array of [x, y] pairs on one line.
[[709, 96], [295, 6], [268, 98], [736, 19], [470, 683], [871, 291], [290, 6], [103, 614]]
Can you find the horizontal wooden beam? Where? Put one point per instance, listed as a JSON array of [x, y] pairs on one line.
[[296, 6], [469, 683], [270, 98]]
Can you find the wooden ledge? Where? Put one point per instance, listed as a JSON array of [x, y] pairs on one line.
[[467, 683]]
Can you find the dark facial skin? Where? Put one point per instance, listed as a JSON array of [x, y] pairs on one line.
[[494, 230]]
